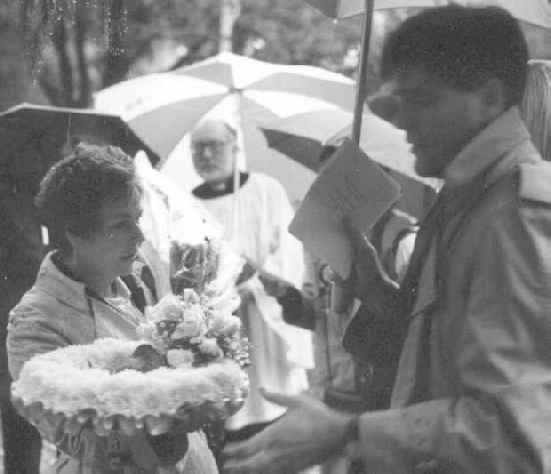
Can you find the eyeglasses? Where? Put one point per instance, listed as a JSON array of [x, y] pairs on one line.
[[214, 145]]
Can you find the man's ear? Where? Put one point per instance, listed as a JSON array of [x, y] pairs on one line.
[[493, 98], [71, 237]]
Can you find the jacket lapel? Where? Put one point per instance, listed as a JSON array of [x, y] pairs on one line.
[[427, 286]]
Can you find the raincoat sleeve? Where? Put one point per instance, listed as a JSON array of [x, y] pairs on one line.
[[29, 335], [300, 308], [499, 422]]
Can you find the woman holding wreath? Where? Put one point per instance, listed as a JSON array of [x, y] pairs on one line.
[[91, 204]]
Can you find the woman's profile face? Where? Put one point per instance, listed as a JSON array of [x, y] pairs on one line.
[[112, 247]]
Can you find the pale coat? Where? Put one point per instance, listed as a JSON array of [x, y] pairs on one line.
[[58, 311], [473, 390]]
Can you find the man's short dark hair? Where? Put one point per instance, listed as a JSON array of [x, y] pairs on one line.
[[73, 191], [463, 47]]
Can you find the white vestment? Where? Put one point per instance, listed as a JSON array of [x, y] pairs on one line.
[[255, 220]]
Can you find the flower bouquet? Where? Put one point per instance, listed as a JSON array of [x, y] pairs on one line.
[[187, 364]]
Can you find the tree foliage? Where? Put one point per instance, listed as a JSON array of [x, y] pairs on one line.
[[78, 46], [16, 84], [74, 47]]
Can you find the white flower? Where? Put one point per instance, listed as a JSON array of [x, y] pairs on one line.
[[179, 358], [147, 330], [224, 324], [169, 308], [233, 345], [190, 297], [210, 347], [194, 322]]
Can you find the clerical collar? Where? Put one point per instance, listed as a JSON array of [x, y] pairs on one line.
[[204, 191]]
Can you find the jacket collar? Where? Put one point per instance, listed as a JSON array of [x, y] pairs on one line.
[[506, 133], [504, 144], [71, 292]]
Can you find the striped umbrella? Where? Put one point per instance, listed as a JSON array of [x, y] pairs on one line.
[[161, 108]]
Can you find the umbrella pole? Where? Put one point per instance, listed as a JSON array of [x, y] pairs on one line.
[[361, 87], [341, 295]]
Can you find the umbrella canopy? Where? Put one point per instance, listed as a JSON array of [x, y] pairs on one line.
[[302, 136], [32, 136], [162, 108], [537, 12]]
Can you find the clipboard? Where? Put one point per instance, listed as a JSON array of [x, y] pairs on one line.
[[351, 186]]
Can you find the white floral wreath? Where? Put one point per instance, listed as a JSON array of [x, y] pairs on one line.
[[71, 380]]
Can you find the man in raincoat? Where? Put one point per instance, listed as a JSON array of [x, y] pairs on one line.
[[473, 388]]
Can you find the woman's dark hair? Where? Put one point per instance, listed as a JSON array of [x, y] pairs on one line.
[[74, 189], [463, 47]]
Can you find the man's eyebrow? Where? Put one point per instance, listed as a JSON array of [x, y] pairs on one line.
[[399, 91], [125, 215]]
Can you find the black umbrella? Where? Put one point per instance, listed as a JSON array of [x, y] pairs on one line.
[[301, 138], [32, 137], [303, 149]]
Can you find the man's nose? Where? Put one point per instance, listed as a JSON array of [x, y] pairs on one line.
[[138, 233], [404, 118], [208, 151]]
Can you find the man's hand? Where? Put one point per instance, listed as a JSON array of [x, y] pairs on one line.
[[247, 272], [367, 263], [273, 285], [305, 436], [368, 271]]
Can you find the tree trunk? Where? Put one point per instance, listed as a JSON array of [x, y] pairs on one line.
[[59, 40], [117, 62], [16, 82], [84, 95]]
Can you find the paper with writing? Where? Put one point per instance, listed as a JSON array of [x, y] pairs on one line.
[[351, 185]]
